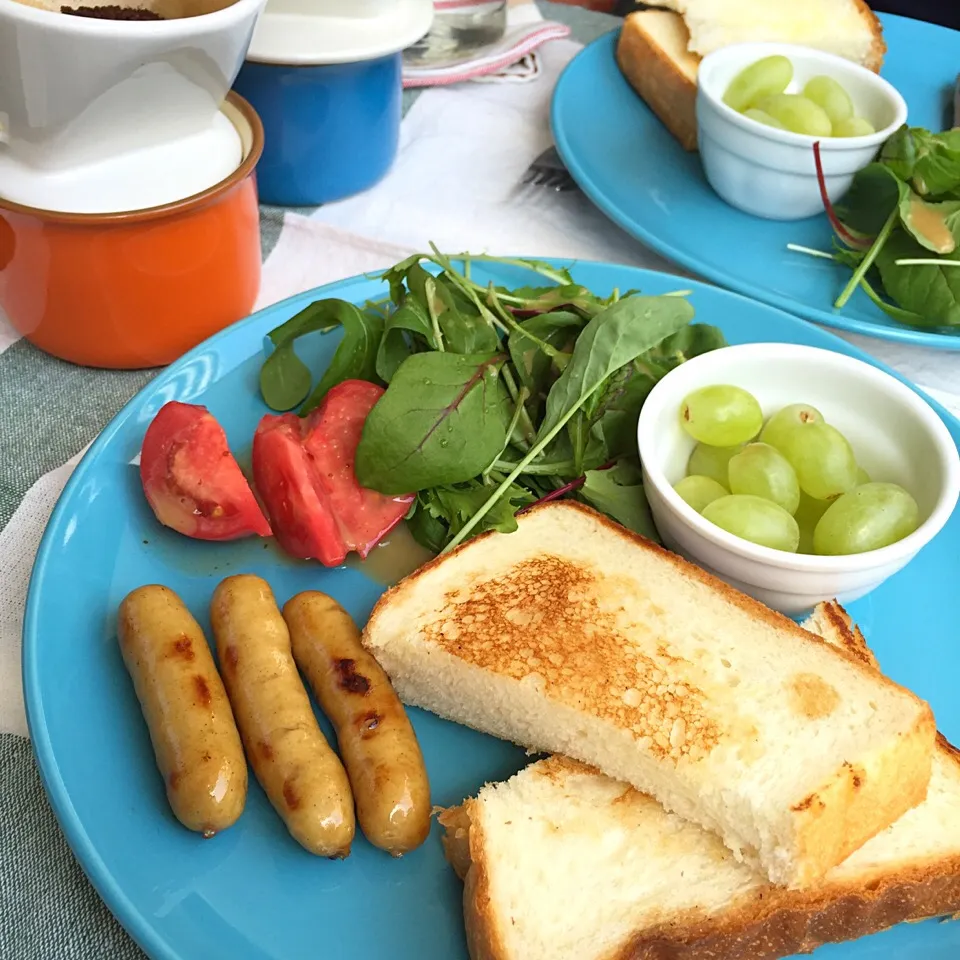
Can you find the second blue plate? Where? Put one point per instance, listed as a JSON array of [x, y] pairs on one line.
[[630, 166]]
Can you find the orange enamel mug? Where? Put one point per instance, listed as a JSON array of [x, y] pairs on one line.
[[136, 289]]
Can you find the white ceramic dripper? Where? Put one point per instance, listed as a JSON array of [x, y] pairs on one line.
[[102, 115]]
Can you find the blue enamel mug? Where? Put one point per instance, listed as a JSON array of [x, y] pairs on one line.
[[326, 79]]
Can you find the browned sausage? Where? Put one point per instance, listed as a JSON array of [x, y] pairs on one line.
[[377, 742], [302, 776], [191, 725]]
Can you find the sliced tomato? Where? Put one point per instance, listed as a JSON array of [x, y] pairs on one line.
[[304, 470], [192, 481], [302, 523]]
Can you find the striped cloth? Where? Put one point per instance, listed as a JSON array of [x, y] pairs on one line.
[[463, 150]]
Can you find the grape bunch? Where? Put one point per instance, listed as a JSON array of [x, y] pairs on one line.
[[824, 109], [792, 483]]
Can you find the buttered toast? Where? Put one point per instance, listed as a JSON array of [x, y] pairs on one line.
[[846, 28], [574, 636], [649, 886], [659, 50]]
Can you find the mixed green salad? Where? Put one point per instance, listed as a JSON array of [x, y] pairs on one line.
[[496, 398], [898, 228]]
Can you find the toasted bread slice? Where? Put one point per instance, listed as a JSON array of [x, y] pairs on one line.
[[648, 885], [659, 50], [847, 28], [574, 636], [652, 54]]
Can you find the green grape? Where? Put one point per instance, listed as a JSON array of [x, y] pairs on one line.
[[798, 114], [754, 114], [872, 516], [755, 519], [762, 79], [822, 458], [783, 421], [721, 415], [826, 93], [854, 127], [862, 476], [809, 512], [707, 461], [699, 491], [763, 471]]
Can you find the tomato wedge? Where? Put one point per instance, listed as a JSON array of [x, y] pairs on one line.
[[304, 471], [192, 481]]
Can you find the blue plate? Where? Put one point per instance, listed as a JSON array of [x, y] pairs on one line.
[[252, 893], [630, 166]]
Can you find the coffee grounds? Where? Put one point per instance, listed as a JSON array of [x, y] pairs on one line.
[[112, 12]]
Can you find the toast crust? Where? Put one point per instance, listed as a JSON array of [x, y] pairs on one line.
[[771, 923], [484, 941], [784, 923], [669, 92], [830, 820], [665, 89], [878, 48], [853, 804]]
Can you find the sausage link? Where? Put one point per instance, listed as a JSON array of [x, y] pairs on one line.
[[377, 742], [194, 736], [300, 773]]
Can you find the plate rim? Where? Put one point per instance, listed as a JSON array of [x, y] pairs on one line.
[[917, 337], [86, 854]]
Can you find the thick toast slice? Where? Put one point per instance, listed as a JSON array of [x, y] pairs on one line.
[[652, 54], [846, 28], [648, 886], [574, 636], [659, 51]]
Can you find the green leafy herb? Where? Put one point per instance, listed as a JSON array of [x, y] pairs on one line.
[[284, 378], [618, 492], [929, 162], [442, 420], [899, 224], [933, 292], [496, 397], [396, 344], [612, 338]]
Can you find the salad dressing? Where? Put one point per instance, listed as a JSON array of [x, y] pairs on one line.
[[395, 557]]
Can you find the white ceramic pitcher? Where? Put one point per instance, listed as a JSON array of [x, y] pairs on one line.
[[80, 94]]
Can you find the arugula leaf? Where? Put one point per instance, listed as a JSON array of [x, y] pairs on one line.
[[571, 296], [609, 341], [533, 366], [356, 355], [876, 191], [615, 409], [395, 346], [285, 380], [396, 276], [427, 523], [284, 377], [618, 492], [930, 162], [930, 293], [442, 420], [442, 512], [468, 333]]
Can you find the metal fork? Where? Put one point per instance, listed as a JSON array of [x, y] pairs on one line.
[[549, 171]]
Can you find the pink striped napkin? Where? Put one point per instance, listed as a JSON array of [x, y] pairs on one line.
[[512, 59]]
